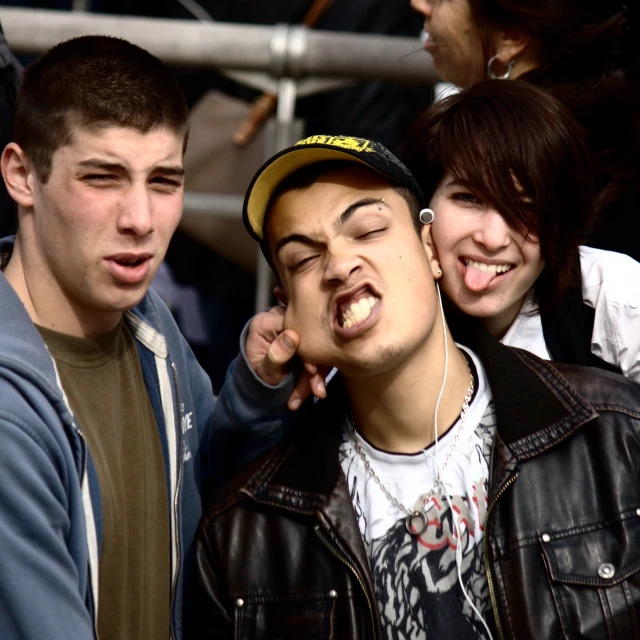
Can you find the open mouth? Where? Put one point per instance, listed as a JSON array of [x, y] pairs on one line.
[[478, 276], [129, 268], [130, 262], [356, 309]]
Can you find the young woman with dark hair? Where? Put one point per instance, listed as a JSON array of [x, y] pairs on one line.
[[586, 53], [506, 173]]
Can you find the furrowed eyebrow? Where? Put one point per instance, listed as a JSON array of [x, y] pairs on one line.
[[95, 163], [294, 237], [172, 170], [352, 208], [104, 165]]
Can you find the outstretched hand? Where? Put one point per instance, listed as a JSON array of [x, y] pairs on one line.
[[270, 348]]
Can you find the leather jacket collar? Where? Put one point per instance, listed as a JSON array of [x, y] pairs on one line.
[[535, 409]]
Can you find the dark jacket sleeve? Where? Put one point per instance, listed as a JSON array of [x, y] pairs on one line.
[[249, 418]]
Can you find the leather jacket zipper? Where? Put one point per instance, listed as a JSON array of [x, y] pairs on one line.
[[353, 570], [492, 593], [174, 369]]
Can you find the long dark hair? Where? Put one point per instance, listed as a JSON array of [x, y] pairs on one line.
[[520, 151], [589, 60]]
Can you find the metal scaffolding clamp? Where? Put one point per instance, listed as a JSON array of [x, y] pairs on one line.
[[287, 50]]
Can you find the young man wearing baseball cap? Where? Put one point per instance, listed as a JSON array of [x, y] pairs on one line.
[[440, 490]]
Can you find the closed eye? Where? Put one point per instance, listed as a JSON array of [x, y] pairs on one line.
[[99, 177], [166, 184], [304, 262], [371, 234], [163, 180], [298, 260]]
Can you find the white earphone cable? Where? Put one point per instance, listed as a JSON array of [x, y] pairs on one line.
[[434, 455], [446, 369], [458, 546]]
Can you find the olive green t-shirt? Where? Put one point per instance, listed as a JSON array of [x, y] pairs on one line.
[[105, 388]]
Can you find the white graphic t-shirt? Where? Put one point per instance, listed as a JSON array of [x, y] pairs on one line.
[[416, 576]]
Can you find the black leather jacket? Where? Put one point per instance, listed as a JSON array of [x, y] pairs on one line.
[[280, 555]]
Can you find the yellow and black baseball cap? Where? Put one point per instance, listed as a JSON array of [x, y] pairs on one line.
[[312, 151]]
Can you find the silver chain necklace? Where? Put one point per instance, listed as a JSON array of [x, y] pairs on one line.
[[412, 514]]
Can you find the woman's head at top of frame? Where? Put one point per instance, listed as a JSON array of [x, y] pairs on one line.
[[506, 160], [473, 40]]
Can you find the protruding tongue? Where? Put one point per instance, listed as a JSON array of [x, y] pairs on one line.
[[477, 280]]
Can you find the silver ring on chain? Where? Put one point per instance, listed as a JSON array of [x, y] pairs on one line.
[[408, 523], [413, 514]]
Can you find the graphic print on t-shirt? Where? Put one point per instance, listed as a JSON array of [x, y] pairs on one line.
[[416, 577]]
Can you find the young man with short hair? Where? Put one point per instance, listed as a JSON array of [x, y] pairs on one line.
[[105, 431], [441, 490]]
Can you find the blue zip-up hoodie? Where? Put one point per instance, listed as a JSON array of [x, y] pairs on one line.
[[50, 512]]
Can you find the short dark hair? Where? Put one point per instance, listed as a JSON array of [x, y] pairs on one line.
[[94, 82], [305, 177], [520, 151]]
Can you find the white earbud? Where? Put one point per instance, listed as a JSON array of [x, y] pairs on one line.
[[427, 216]]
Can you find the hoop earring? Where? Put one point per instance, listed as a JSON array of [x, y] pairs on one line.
[[427, 216], [493, 75]]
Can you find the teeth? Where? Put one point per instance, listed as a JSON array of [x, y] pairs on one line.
[[492, 268], [358, 311]]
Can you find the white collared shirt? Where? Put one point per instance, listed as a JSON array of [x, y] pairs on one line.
[[610, 286]]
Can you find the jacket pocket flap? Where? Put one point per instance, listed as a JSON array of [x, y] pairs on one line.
[[600, 557]]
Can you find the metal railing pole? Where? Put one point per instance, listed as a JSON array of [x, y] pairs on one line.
[[227, 46], [288, 47]]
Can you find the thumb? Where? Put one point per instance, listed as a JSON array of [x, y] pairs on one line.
[[273, 366]]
